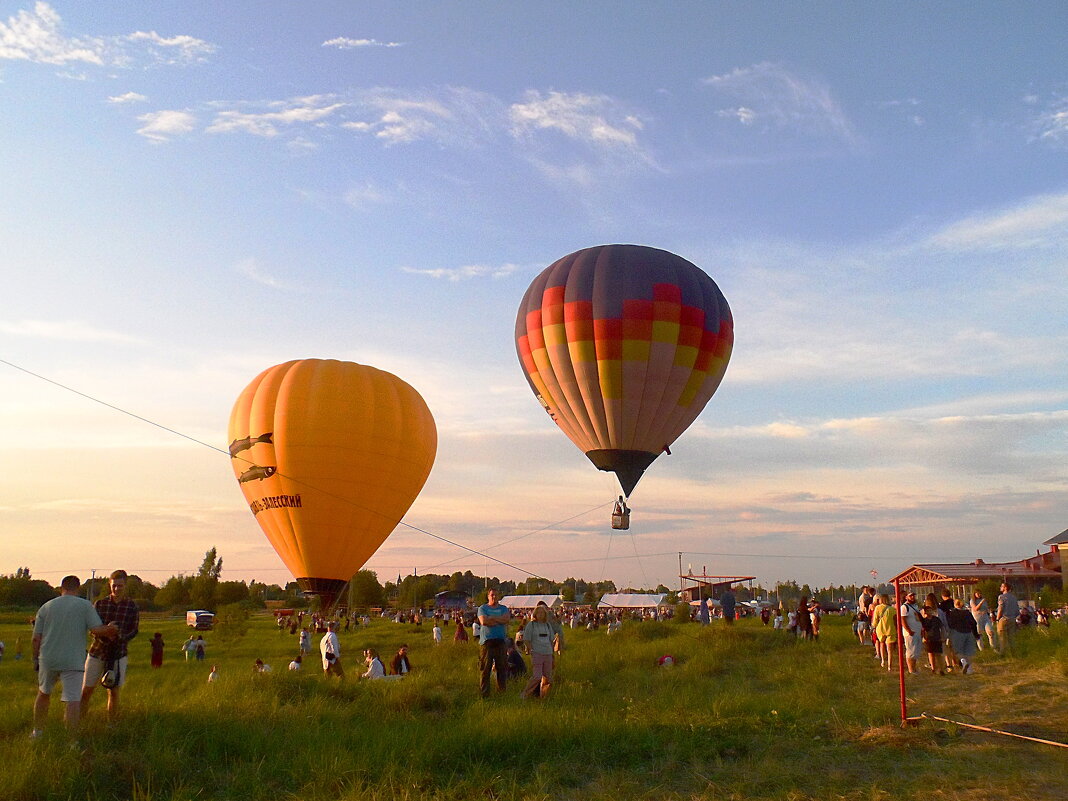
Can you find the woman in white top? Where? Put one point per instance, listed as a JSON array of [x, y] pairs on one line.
[[375, 668]]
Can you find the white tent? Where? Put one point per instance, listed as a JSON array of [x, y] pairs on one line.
[[628, 600], [530, 601]]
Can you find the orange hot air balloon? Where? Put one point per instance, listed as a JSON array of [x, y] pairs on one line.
[[624, 345], [329, 455]]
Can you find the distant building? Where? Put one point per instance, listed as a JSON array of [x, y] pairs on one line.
[[1025, 575]]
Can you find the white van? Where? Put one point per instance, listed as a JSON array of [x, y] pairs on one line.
[[200, 619]]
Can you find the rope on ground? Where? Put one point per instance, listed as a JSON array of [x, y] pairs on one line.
[[994, 731]]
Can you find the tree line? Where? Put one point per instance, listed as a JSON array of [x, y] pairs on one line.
[[205, 589]]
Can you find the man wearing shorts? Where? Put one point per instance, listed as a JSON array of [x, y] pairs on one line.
[[911, 630], [120, 612], [59, 651]]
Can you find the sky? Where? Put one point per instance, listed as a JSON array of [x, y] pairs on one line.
[[192, 192]]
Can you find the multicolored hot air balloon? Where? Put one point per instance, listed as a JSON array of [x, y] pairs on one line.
[[624, 345], [329, 455]]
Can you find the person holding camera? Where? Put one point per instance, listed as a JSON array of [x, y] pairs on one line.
[[106, 662]]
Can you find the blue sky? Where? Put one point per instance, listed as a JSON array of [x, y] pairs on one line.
[[191, 194]]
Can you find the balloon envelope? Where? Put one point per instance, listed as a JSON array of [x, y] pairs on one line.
[[329, 455], [624, 345]]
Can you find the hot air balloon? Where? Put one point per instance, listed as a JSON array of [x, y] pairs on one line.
[[623, 345], [329, 455]]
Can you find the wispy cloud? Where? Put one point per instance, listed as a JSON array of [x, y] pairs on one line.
[[1039, 222], [453, 116], [250, 268], [162, 126], [179, 49], [593, 119], [345, 43], [1052, 124], [770, 95], [366, 195], [466, 272], [37, 36], [299, 111], [62, 330], [129, 97]]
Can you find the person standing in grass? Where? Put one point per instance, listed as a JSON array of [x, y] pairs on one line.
[[886, 630], [59, 651], [542, 638], [189, 646], [931, 627], [157, 644], [964, 634], [1008, 610], [330, 649], [726, 605], [493, 618], [912, 630], [118, 609], [804, 620], [945, 606], [460, 634], [305, 641]]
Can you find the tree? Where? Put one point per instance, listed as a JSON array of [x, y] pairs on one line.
[[175, 594], [21, 590], [365, 591], [231, 592], [202, 593], [231, 622]]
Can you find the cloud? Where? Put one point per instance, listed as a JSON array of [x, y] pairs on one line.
[[37, 36], [299, 111], [345, 43], [771, 95], [161, 126], [63, 330], [1052, 125], [179, 49], [251, 269], [466, 272], [129, 97], [593, 119], [362, 197], [1039, 222], [451, 116]]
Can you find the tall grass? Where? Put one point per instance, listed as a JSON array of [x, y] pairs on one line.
[[747, 712]]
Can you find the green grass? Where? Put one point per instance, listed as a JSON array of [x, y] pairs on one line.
[[748, 713]]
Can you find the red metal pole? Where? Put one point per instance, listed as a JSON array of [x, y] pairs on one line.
[[900, 651]]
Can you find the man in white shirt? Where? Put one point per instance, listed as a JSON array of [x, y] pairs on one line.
[[911, 630], [330, 649]]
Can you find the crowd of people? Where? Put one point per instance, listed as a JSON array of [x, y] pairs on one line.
[[946, 631]]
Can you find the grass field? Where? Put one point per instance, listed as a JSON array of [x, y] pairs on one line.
[[748, 713]]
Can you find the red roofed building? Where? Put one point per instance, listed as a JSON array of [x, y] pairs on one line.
[[1027, 575]]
